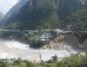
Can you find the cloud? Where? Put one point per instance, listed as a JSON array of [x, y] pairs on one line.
[[6, 5]]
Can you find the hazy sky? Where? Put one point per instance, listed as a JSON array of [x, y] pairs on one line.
[[5, 5]]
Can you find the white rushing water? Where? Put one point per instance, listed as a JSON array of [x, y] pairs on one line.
[[14, 49]]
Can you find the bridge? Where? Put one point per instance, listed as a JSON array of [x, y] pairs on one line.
[[45, 30], [29, 32]]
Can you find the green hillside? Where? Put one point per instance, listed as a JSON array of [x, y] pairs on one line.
[[41, 15], [47, 14], [76, 22]]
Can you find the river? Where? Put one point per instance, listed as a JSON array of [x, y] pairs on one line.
[[10, 49]]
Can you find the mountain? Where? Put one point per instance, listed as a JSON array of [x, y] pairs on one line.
[[67, 7], [32, 14], [76, 22], [41, 14], [1, 15]]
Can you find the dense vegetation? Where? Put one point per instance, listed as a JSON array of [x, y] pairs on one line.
[[73, 61], [68, 7], [76, 22]]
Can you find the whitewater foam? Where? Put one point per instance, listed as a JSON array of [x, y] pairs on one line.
[[14, 49], [16, 44]]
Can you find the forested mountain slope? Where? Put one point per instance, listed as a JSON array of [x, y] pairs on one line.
[[42, 14], [76, 22]]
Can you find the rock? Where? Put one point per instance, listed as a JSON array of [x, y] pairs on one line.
[[83, 53]]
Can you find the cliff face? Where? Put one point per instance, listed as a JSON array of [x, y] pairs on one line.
[[67, 41], [63, 41], [37, 14]]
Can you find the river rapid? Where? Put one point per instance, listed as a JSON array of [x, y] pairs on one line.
[[10, 49]]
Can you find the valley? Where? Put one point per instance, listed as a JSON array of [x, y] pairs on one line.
[[44, 33]]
